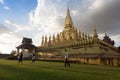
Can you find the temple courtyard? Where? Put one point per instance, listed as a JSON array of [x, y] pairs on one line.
[[42, 70]]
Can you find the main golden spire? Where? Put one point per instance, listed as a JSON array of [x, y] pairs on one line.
[[68, 20]]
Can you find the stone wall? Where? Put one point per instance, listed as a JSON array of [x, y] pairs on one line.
[[98, 61]]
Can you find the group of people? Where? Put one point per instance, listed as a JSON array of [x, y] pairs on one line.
[[20, 58]]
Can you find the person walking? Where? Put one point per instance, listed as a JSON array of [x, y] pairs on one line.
[[20, 58], [66, 58], [33, 58]]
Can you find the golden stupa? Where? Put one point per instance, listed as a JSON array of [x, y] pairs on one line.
[[81, 46]]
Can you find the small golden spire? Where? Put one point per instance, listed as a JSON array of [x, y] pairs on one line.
[[53, 38], [95, 35], [45, 39], [42, 41], [105, 34]]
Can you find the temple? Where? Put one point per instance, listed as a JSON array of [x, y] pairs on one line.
[[26, 47], [82, 47]]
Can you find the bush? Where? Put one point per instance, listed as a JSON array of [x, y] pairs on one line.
[[12, 58]]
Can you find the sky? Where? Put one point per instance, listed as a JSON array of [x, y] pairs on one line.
[[34, 18]]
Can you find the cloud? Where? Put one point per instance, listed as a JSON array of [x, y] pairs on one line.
[[18, 27], [8, 42], [116, 37], [86, 14], [4, 5], [105, 14], [6, 30], [6, 8], [48, 17], [8, 39], [2, 1], [23, 31], [3, 29]]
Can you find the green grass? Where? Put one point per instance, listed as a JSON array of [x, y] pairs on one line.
[[10, 70]]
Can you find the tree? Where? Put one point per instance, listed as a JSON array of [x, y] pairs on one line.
[[13, 52]]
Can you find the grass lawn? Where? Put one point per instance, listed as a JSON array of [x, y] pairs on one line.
[[10, 70]]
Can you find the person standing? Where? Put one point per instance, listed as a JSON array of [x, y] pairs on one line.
[[66, 58], [20, 58]]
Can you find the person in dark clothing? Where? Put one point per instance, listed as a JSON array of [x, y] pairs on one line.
[[20, 58], [66, 58], [33, 58]]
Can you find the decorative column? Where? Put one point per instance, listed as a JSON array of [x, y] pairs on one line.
[[33, 51], [42, 44], [17, 51]]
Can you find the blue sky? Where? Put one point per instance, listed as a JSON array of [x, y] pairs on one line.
[[18, 10], [34, 18]]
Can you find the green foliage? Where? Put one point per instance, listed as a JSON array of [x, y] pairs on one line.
[[13, 52], [11, 70], [12, 57]]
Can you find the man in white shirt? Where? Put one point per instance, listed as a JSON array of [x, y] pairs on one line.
[[66, 58]]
